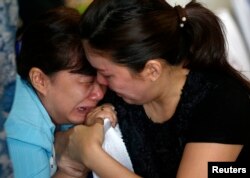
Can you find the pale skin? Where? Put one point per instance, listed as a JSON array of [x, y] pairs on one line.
[[158, 90]]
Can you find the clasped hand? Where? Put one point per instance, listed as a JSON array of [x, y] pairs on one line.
[[76, 146]]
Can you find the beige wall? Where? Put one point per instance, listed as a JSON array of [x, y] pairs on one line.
[[216, 4], [211, 4]]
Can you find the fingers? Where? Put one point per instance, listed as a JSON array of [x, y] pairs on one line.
[[107, 106], [99, 120], [111, 109], [71, 167], [104, 111]]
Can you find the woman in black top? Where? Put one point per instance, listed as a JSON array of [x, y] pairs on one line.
[[180, 104]]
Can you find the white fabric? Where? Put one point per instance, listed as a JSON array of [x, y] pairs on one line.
[[113, 144]]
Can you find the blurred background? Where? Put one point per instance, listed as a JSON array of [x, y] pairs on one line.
[[235, 15]]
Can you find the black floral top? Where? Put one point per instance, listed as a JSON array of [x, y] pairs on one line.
[[213, 108]]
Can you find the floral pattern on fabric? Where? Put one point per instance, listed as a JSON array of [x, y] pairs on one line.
[[8, 26]]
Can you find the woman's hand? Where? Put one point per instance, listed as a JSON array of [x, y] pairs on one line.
[[67, 167], [104, 111], [84, 145], [84, 140], [76, 147]]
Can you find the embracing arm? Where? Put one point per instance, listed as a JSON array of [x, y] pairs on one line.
[[105, 166], [85, 147], [81, 146], [67, 168], [61, 174], [196, 156]]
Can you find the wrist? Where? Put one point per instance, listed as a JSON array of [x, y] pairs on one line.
[[92, 154]]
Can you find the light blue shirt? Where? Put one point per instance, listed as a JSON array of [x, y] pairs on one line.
[[30, 134]]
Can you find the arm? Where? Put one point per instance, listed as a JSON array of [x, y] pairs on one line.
[[105, 166], [67, 168], [85, 147], [196, 156], [223, 117], [64, 162], [61, 174]]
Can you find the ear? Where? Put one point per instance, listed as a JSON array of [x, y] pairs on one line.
[[39, 80], [153, 69]]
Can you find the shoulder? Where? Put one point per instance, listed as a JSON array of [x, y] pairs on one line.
[[223, 91], [227, 96], [223, 115]]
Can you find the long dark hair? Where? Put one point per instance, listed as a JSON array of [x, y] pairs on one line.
[[53, 43], [136, 31]]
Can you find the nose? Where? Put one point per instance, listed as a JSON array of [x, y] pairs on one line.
[[98, 91], [101, 79]]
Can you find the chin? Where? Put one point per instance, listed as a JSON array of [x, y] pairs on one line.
[[78, 120], [133, 101], [130, 101]]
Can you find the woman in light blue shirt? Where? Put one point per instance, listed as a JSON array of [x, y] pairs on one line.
[[55, 85]]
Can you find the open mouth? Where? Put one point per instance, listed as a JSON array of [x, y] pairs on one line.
[[81, 109], [84, 109]]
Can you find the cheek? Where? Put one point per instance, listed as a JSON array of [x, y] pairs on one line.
[[79, 93], [139, 88], [124, 81], [118, 84], [70, 95]]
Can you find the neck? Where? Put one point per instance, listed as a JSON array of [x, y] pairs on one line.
[[163, 107]]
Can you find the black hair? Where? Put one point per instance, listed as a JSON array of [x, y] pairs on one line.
[[52, 43], [135, 31], [30, 10]]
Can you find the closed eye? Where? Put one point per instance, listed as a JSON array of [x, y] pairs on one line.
[[106, 76], [86, 79]]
